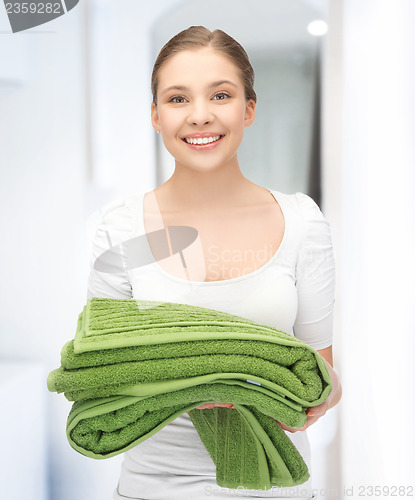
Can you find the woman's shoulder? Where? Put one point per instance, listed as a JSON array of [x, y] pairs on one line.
[[308, 207], [120, 206], [301, 204], [307, 224], [117, 216]]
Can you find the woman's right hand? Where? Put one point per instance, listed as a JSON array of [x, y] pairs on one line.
[[212, 405]]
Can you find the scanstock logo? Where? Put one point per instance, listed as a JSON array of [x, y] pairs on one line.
[[25, 15]]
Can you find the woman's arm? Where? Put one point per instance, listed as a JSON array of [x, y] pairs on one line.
[[336, 393], [315, 412], [315, 283], [113, 227]]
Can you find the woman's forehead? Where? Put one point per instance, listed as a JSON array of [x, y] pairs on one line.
[[197, 66]]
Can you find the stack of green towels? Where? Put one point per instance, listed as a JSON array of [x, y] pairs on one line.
[[134, 366]]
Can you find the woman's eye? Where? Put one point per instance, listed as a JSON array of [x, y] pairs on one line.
[[221, 96], [178, 99]]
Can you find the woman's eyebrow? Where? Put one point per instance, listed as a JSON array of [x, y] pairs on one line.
[[186, 89]]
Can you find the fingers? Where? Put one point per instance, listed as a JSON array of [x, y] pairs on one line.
[[207, 406], [286, 427], [212, 405], [313, 414], [311, 419], [317, 411]]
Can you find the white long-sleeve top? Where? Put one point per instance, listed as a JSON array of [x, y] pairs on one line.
[[292, 292]]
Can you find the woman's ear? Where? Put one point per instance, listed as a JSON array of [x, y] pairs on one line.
[[155, 117], [249, 113]]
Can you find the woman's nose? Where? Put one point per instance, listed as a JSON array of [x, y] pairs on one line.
[[200, 113]]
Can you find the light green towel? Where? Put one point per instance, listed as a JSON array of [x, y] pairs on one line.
[[134, 366]]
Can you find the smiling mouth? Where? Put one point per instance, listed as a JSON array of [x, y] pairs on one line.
[[199, 141]]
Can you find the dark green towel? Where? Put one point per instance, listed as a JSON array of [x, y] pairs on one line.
[[134, 366]]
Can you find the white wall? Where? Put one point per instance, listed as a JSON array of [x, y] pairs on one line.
[[45, 201], [22, 431], [326, 434], [378, 243], [41, 214], [368, 178]]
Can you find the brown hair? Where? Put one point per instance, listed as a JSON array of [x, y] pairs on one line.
[[198, 36]]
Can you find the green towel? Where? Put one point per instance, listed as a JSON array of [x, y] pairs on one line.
[[134, 366]]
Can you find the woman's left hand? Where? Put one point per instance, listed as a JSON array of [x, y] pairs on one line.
[[313, 414]]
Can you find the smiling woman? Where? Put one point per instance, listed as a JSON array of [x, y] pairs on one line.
[[210, 112], [203, 100]]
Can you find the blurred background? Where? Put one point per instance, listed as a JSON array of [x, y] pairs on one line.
[[335, 120]]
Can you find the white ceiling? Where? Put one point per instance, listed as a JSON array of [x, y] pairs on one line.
[[259, 25]]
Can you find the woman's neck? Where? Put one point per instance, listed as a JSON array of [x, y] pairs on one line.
[[210, 189], [189, 189]]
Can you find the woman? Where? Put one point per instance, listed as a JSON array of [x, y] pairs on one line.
[[259, 253]]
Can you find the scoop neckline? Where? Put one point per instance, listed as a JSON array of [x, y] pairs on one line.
[[261, 269]]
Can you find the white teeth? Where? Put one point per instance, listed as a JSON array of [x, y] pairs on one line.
[[199, 140]]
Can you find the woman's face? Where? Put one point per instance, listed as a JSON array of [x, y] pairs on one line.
[[201, 97]]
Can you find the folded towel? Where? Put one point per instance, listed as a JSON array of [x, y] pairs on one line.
[[134, 366]]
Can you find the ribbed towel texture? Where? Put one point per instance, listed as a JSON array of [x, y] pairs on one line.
[[134, 366]]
